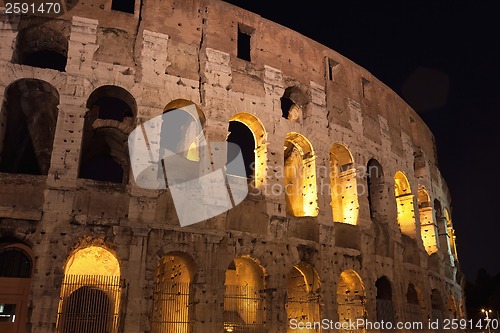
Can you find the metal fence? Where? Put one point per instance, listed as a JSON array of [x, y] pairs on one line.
[[414, 313], [438, 315], [172, 307], [244, 309], [385, 310], [351, 309], [89, 304]]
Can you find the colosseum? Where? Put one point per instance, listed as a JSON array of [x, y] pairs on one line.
[[347, 217]]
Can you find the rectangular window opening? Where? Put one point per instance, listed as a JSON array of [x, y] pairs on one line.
[[366, 88], [331, 69], [244, 42], [126, 6]]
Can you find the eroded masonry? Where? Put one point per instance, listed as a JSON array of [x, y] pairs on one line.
[[347, 215]]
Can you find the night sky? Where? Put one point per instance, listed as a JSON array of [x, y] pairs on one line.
[[443, 58]]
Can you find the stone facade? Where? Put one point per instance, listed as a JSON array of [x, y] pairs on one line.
[[386, 237]]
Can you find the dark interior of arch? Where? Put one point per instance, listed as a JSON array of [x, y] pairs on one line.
[[384, 290], [436, 300], [286, 104], [113, 108], [79, 317], [42, 47], [292, 96], [111, 102], [30, 117], [14, 263], [176, 132], [126, 6], [412, 295], [242, 136], [374, 179], [104, 155]]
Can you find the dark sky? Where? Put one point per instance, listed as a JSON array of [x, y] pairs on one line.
[[443, 58]]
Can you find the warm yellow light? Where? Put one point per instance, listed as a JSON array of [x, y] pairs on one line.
[[193, 153], [260, 138], [343, 186], [93, 260], [428, 227], [300, 176]]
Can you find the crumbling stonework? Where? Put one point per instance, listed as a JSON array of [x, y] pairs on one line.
[[366, 233]]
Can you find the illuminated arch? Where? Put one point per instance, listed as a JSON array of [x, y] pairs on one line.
[[183, 132], [343, 185], [303, 294], [92, 276], [428, 227], [92, 260], [173, 294], [405, 206], [244, 301], [300, 176], [254, 153], [351, 297]]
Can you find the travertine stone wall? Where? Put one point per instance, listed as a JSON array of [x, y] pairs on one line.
[[171, 50]]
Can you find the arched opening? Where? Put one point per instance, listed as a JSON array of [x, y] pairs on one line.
[[292, 103], [27, 126], [415, 313], [303, 296], [173, 294], [171, 148], [442, 225], [90, 292], [405, 206], [300, 176], [451, 235], [242, 136], [375, 189], [437, 305], [182, 129], [248, 132], [428, 227], [343, 185], [41, 47], [16, 267], [351, 299], [108, 122], [385, 308], [244, 297]]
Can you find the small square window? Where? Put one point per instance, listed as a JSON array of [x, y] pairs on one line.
[[126, 6], [244, 42], [331, 69], [366, 89]]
